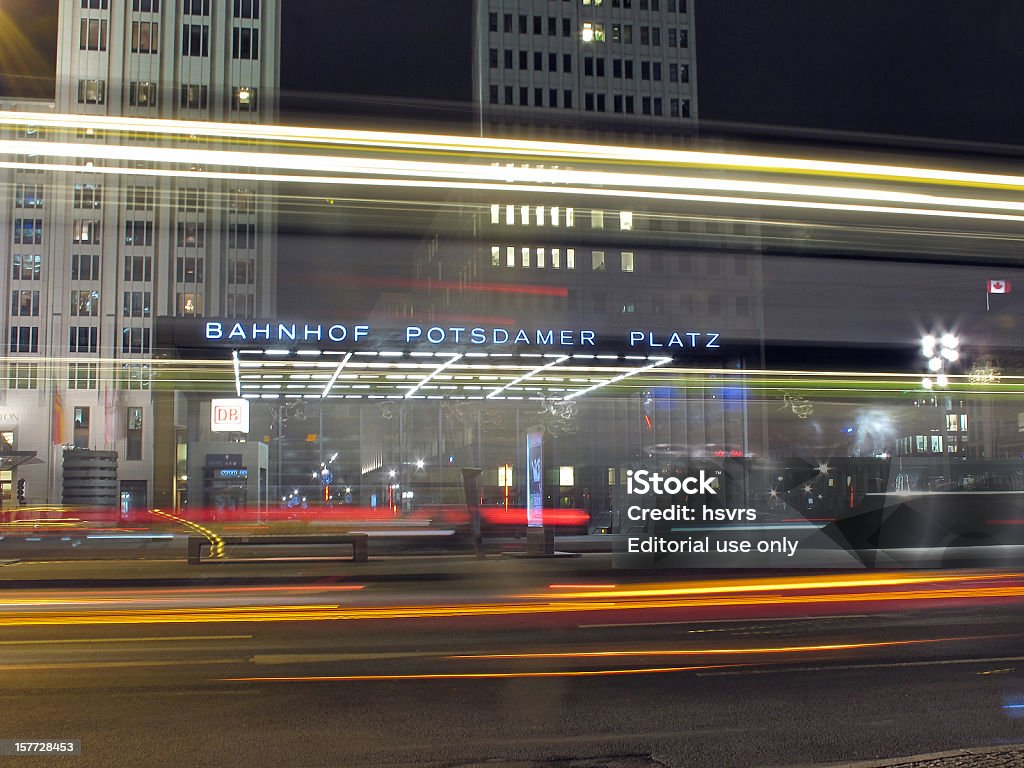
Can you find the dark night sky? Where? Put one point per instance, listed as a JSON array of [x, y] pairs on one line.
[[933, 68]]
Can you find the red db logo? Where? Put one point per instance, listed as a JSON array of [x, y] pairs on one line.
[[229, 416]]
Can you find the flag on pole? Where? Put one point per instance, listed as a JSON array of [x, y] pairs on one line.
[[998, 286]]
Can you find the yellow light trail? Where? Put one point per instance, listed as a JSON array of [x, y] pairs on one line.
[[704, 651], [474, 675], [216, 542], [546, 150], [339, 613], [789, 584]]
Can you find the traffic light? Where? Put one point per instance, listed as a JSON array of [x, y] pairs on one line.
[[21, 491]]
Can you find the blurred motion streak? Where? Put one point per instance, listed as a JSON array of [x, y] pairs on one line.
[[709, 651], [767, 594], [216, 542], [478, 675]]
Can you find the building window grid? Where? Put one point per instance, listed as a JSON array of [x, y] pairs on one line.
[[24, 339], [26, 266], [83, 375], [93, 35], [22, 376], [28, 195], [85, 266], [85, 303], [24, 303]]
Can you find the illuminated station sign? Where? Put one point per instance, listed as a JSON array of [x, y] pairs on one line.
[[249, 333]]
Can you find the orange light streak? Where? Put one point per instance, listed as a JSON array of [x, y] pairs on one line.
[[474, 675], [705, 651]]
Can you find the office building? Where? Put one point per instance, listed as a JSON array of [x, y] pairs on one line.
[[95, 260]]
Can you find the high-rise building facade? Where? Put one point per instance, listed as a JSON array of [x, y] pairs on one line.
[[586, 62], [94, 259]]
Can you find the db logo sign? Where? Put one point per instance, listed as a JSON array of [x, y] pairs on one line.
[[229, 415]]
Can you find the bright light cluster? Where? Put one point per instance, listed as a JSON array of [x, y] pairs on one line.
[[939, 351]]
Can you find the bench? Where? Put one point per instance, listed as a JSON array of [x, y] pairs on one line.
[[359, 542]]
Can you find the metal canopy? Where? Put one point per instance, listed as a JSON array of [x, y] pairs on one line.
[[267, 374]]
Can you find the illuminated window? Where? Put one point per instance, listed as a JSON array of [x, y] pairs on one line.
[[627, 261], [495, 213], [597, 261], [510, 256], [555, 216], [570, 217], [243, 99], [556, 258], [495, 255], [86, 231], [510, 215], [570, 258], [85, 303], [524, 214], [506, 477], [526, 257], [81, 424], [951, 422], [26, 266], [190, 304], [597, 219], [133, 444], [539, 212], [28, 196], [626, 220], [566, 476], [540, 258], [92, 91], [588, 32]]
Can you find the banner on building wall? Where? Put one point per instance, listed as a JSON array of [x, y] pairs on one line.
[[535, 479]]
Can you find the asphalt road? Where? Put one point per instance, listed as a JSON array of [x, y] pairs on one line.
[[392, 674]]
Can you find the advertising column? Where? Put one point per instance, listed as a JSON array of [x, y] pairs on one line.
[[538, 540]]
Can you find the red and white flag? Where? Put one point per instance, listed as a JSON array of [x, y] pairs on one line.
[[998, 286]]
